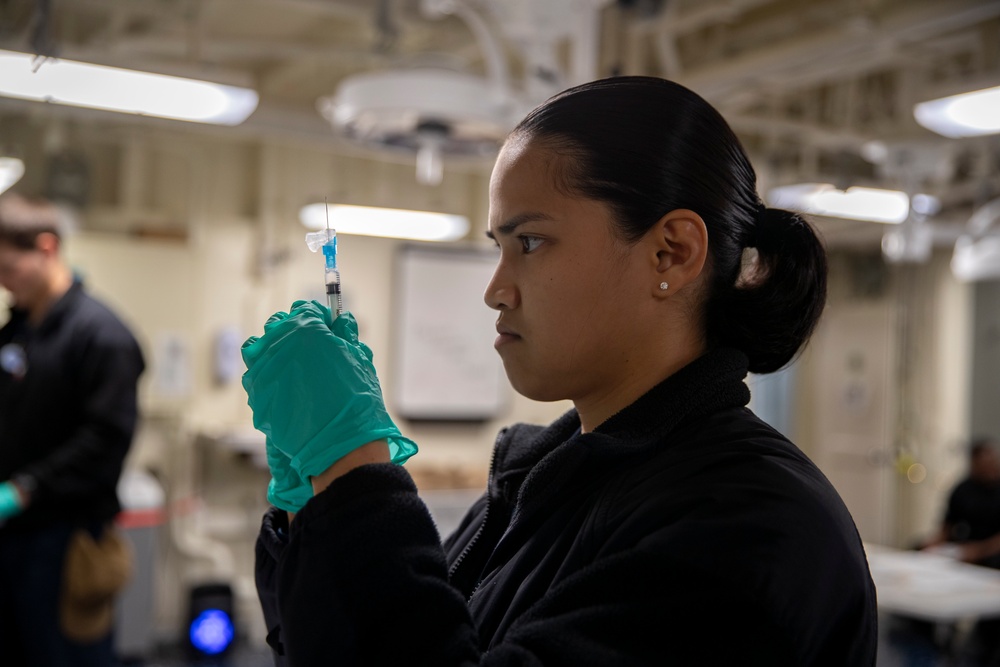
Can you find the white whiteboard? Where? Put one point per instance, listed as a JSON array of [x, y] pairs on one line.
[[446, 367]]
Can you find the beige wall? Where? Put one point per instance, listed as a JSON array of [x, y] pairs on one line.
[[885, 387]]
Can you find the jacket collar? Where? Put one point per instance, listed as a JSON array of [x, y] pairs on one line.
[[711, 383], [57, 311]]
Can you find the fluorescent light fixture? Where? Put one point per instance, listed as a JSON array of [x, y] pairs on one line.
[[966, 115], [855, 203], [128, 91], [11, 171], [388, 222]]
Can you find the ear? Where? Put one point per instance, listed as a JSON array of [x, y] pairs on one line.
[[680, 240]]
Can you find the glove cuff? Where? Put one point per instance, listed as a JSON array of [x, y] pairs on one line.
[[289, 499], [314, 459], [401, 449]]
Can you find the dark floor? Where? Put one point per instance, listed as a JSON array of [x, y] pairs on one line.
[[238, 656], [909, 643], [902, 643]]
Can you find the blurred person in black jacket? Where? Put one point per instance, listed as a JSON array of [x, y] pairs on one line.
[[970, 529], [68, 374], [659, 521]]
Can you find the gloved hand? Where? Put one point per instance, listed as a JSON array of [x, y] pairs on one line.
[[315, 394], [10, 501]]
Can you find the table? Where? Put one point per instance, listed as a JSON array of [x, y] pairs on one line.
[[932, 587]]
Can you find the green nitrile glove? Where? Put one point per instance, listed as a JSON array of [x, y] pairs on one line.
[[314, 392], [10, 501], [286, 489]]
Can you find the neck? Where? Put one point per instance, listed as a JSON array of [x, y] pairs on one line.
[[59, 282], [637, 378]]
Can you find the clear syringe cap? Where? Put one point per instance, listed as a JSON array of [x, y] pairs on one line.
[[316, 240]]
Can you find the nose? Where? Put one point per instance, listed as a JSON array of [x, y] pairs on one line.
[[501, 292]]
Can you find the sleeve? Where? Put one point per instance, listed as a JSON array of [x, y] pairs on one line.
[[91, 458], [270, 542], [363, 581], [955, 511]]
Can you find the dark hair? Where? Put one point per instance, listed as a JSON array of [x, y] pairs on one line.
[[647, 146], [980, 445], [22, 219]]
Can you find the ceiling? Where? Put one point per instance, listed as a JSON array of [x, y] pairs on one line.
[[809, 85]]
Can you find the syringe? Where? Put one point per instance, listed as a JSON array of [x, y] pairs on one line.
[[327, 240]]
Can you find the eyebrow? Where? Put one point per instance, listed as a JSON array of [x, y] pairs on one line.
[[510, 225]]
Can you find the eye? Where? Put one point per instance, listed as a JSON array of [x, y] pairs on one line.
[[529, 243]]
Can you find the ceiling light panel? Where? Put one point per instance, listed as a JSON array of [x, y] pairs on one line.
[[122, 90]]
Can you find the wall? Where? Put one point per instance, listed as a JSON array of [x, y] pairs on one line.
[[985, 398], [885, 389]]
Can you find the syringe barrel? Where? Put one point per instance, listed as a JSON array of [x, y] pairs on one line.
[[333, 295]]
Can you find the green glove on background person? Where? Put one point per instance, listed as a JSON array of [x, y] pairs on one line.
[[315, 395], [10, 501]]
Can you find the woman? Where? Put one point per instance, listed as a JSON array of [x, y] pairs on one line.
[[659, 522]]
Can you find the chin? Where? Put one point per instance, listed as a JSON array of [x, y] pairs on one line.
[[536, 386]]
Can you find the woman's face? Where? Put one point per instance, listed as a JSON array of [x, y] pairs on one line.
[[571, 296]]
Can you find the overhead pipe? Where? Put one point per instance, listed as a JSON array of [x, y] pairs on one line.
[[832, 45], [496, 62]]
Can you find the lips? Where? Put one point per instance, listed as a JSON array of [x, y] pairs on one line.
[[506, 336], [506, 331]]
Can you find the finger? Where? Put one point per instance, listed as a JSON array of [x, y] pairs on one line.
[[346, 327], [275, 320], [250, 351]]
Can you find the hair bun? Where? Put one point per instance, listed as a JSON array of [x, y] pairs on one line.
[[774, 305]]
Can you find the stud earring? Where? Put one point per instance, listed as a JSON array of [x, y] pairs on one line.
[[664, 286]]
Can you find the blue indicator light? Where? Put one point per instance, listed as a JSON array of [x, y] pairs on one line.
[[212, 631]]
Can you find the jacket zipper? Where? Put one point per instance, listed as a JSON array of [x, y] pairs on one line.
[[486, 513]]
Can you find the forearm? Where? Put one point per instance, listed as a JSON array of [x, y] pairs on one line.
[[980, 550], [87, 461], [364, 563], [373, 452], [939, 537]]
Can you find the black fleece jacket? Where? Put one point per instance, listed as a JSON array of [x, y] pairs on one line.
[[682, 531], [68, 420]]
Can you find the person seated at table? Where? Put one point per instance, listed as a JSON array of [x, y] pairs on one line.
[[971, 526], [971, 532]]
